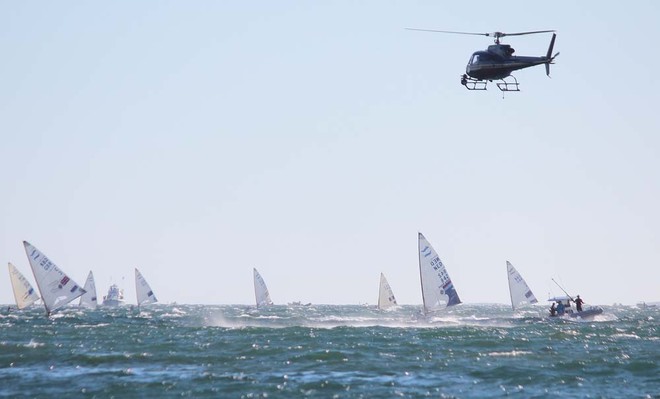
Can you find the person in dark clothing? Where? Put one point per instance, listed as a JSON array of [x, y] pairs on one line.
[[578, 303], [553, 310], [560, 308]]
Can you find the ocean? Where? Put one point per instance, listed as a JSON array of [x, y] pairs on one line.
[[204, 351]]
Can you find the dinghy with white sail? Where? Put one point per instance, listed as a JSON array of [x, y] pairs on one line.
[[88, 299], [386, 297], [438, 291], [143, 291], [260, 290], [56, 288], [518, 288], [23, 292]]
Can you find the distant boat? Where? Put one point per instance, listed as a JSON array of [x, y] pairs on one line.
[[56, 288], [143, 291], [518, 288], [386, 297], [115, 296], [438, 291], [585, 314], [23, 292], [88, 299], [260, 290]]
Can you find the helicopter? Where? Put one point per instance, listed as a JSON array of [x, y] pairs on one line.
[[497, 62]]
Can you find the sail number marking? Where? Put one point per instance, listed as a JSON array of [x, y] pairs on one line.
[[45, 263]]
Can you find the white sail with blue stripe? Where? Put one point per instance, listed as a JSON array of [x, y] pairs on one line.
[[88, 299], [24, 294], [386, 297], [144, 293], [56, 288], [438, 291], [518, 288], [261, 293]]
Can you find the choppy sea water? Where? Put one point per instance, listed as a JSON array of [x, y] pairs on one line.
[[470, 351]]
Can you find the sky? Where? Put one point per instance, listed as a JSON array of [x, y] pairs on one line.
[[196, 140]]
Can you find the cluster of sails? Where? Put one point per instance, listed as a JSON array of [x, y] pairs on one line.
[[57, 289], [438, 291]]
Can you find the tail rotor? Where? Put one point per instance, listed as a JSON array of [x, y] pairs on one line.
[[549, 55]]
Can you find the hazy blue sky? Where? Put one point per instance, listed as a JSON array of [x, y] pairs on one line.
[[313, 140]]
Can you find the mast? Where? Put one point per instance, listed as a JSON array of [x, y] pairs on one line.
[[508, 277], [421, 277]]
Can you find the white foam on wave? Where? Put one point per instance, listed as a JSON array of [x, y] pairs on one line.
[[34, 344], [623, 335], [513, 353]]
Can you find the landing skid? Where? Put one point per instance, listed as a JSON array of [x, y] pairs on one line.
[[478, 84], [473, 84], [508, 86]]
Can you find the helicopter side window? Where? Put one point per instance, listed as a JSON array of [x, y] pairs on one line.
[[475, 59]]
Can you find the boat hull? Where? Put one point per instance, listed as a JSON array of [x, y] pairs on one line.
[[112, 302], [587, 314]]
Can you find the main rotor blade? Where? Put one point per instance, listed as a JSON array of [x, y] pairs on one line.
[[524, 33], [449, 31]]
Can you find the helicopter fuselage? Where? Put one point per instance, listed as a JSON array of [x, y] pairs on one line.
[[498, 63]]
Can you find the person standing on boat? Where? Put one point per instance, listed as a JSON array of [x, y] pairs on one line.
[[553, 310], [560, 308], [578, 303]]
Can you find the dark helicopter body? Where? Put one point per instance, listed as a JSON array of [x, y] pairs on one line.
[[497, 62]]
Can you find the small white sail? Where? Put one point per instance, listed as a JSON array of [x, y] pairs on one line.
[[438, 291], [518, 288], [56, 288], [144, 293], [23, 292], [386, 297], [261, 291], [88, 299]]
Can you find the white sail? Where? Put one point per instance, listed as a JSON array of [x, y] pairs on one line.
[[261, 291], [144, 293], [438, 291], [56, 288], [518, 288], [23, 292], [386, 297], [88, 299]]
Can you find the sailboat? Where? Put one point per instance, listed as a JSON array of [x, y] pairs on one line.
[[23, 292], [438, 291], [144, 293], [386, 297], [88, 299], [56, 288], [518, 288], [260, 290]]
